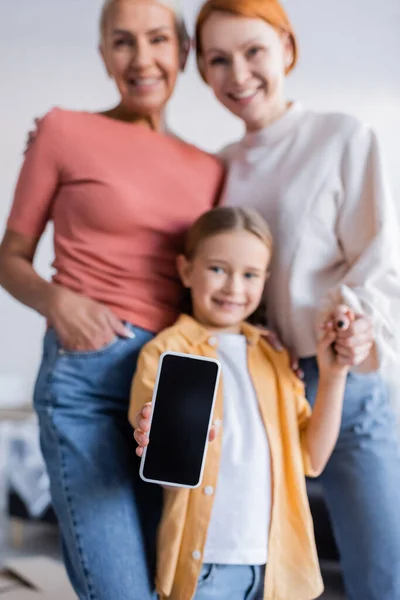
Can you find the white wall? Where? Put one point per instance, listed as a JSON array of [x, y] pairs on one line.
[[48, 56]]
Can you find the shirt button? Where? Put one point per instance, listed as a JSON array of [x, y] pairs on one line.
[[213, 341], [196, 555], [209, 490]]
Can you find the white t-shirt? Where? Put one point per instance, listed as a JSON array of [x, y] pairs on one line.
[[319, 182], [239, 526]]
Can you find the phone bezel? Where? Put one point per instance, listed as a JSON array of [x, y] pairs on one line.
[[143, 459]]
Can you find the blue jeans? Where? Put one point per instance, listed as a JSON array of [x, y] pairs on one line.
[[230, 582], [107, 515], [361, 485]]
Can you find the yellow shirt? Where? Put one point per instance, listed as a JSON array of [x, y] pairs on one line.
[[292, 571]]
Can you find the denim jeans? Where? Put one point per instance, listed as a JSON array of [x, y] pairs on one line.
[[361, 485], [107, 515], [230, 582]]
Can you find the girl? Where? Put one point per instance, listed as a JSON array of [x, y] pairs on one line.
[[249, 522], [319, 182]]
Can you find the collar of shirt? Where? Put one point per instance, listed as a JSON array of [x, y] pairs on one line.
[[195, 333]]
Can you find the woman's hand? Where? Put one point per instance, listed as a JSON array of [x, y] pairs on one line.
[[354, 343], [31, 135], [277, 345], [271, 338], [142, 428], [81, 323]]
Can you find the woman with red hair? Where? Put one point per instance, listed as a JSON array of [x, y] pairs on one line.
[[318, 181]]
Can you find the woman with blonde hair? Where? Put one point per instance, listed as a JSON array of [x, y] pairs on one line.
[[318, 181], [121, 192]]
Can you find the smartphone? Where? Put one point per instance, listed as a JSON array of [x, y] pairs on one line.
[[182, 409]]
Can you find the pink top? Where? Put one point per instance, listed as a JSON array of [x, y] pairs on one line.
[[121, 197]]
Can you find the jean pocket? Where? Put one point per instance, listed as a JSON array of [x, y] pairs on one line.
[[89, 353], [206, 575], [367, 409], [357, 377]]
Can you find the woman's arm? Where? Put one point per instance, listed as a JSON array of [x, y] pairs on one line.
[[17, 274], [368, 233], [81, 323], [35, 191]]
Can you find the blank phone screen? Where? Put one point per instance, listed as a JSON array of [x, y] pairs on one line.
[[180, 421]]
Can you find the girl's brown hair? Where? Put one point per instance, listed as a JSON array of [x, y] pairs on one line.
[[224, 219], [270, 11]]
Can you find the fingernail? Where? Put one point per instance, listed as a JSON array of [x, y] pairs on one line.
[[130, 334], [300, 374]]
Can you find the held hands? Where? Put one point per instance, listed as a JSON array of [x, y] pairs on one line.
[[142, 428], [346, 341], [353, 342], [81, 323]]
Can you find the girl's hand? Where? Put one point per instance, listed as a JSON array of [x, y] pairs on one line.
[[329, 361], [142, 428], [81, 323]]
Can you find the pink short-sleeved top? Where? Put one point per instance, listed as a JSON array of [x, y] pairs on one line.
[[121, 198]]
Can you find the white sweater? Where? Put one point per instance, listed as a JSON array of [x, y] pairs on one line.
[[318, 181]]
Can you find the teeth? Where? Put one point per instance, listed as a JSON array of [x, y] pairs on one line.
[[244, 94], [144, 81], [226, 303]]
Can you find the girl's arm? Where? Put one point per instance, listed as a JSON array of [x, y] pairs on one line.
[[320, 433], [322, 430]]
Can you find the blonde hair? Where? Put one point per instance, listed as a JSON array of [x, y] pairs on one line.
[[270, 11], [173, 5], [222, 220]]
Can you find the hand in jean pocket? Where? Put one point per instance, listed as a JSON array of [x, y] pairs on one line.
[[82, 324]]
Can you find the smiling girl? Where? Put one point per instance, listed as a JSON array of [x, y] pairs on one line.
[[246, 533]]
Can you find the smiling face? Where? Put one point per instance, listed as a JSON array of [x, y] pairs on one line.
[[226, 278], [140, 48], [245, 60]]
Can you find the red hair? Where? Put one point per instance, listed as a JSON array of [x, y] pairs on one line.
[[270, 11]]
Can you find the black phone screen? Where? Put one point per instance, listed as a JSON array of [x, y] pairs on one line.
[[180, 420]]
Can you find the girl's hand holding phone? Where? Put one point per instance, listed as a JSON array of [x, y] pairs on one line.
[[142, 428]]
